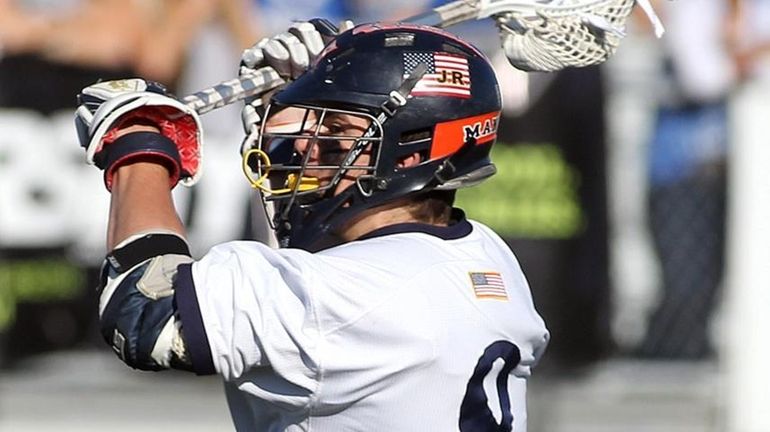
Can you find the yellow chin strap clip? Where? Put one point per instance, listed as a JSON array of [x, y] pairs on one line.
[[293, 181]]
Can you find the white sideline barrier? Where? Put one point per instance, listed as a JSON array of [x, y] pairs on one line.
[[747, 288]]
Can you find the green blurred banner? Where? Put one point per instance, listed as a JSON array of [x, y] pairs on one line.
[[36, 281], [533, 194]]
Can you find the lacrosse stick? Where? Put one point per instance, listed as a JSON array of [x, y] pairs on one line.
[[544, 35]]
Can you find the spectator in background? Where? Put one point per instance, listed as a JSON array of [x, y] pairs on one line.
[[51, 49], [687, 179], [394, 10], [748, 37], [272, 16]]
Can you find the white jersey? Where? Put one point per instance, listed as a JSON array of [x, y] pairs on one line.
[[413, 328]]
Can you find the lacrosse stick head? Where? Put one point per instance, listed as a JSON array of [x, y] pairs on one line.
[[553, 35]]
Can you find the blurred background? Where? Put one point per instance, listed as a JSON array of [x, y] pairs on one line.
[[635, 195]]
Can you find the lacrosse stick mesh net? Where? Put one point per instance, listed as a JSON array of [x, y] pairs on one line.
[[572, 34]]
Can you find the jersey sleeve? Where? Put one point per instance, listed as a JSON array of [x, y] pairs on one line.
[[245, 307]]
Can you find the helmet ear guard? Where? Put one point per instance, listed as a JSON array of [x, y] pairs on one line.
[[449, 175], [467, 180]]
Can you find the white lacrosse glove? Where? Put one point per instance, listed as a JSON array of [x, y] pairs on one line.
[[290, 53], [108, 106]]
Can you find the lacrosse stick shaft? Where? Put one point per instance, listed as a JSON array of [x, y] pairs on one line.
[[266, 78], [447, 15], [227, 92]]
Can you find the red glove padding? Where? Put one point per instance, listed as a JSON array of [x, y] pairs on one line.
[[180, 129], [110, 106]]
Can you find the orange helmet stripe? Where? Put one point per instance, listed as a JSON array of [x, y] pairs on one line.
[[448, 137]]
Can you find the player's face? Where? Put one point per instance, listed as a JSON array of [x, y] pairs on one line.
[[332, 153], [325, 141]]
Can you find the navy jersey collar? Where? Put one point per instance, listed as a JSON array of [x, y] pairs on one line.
[[459, 227]]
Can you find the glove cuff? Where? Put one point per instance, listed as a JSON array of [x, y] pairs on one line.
[[140, 147]]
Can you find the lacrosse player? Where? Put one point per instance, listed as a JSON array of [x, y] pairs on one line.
[[385, 309]]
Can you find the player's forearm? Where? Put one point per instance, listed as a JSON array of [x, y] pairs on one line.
[[137, 313], [141, 201]]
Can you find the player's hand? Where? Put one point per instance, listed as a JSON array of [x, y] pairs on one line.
[[293, 51], [108, 108], [290, 53]]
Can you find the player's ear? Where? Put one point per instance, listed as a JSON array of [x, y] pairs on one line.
[[409, 161]]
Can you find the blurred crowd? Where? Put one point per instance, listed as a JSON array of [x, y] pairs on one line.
[[561, 197]]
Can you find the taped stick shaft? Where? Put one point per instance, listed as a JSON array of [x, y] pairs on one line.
[[447, 15], [266, 78], [227, 92], [443, 16]]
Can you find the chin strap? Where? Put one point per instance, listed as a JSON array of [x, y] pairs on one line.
[[396, 99]]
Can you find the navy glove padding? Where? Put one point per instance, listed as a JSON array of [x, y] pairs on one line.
[[145, 146]]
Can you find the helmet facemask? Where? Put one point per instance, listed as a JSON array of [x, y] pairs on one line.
[[303, 155]]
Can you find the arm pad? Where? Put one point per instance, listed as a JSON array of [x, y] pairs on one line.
[[137, 309]]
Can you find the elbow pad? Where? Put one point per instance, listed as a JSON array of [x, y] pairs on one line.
[[136, 305]]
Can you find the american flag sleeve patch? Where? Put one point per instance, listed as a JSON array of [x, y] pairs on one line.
[[488, 285]]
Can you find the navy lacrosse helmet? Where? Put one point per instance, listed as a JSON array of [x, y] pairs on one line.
[[406, 90]]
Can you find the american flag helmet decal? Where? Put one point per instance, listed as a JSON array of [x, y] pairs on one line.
[[447, 74]]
